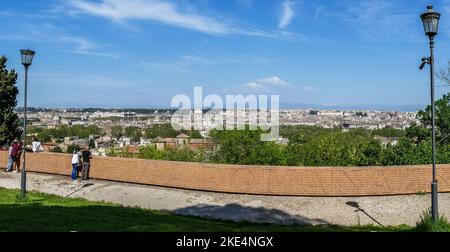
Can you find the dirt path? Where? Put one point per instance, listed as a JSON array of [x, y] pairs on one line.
[[384, 210]]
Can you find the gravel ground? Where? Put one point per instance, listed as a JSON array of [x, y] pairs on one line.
[[380, 210]]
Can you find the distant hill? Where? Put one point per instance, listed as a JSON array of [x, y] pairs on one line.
[[380, 107]]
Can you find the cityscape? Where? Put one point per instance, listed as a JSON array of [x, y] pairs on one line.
[[306, 118], [106, 119]]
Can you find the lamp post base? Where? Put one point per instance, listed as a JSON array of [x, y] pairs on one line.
[[434, 201], [23, 191]]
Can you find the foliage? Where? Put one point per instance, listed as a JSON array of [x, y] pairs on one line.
[[135, 133], [71, 148], [389, 132], [308, 146], [150, 152], [166, 130], [171, 154], [9, 121], [417, 133], [301, 134], [161, 130], [57, 149], [442, 118], [116, 131], [426, 223], [184, 155], [245, 147], [335, 148]]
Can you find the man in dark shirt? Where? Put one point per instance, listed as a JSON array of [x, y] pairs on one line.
[[87, 156], [16, 153]]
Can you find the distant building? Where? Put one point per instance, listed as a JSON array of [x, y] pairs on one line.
[[124, 141], [80, 123], [129, 116], [145, 141], [199, 143], [160, 143], [182, 140]]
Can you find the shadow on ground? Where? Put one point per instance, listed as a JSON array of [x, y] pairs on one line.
[[38, 217], [238, 212], [44, 212]]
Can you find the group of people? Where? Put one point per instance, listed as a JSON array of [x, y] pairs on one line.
[[14, 155], [81, 160]]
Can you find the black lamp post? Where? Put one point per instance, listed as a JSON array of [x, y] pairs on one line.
[[27, 59], [430, 21]]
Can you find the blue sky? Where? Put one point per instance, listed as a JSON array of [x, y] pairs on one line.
[[140, 53]]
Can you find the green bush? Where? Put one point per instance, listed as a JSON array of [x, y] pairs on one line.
[[308, 146], [57, 149], [426, 223]]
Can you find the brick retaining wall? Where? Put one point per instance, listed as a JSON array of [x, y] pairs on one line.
[[266, 180]]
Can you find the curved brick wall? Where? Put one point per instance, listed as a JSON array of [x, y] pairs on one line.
[[301, 181]]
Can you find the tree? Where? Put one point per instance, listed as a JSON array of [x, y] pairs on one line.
[[163, 130], [135, 133], [116, 131], [57, 149], [9, 121], [166, 130], [388, 132], [71, 148], [245, 147], [417, 133], [442, 118]]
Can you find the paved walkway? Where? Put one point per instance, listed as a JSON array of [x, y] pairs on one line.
[[385, 210]]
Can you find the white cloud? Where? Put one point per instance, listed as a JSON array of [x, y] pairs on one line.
[[276, 83], [273, 81], [287, 15], [44, 32], [191, 63], [381, 20], [165, 12], [254, 85], [83, 46], [182, 65]]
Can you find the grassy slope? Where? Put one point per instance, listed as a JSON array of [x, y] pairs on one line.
[[43, 212]]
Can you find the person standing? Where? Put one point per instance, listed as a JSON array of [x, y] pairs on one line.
[[75, 161], [9, 166], [16, 153], [87, 156]]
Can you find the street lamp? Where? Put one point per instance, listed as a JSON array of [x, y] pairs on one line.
[[430, 20], [27, 59]]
